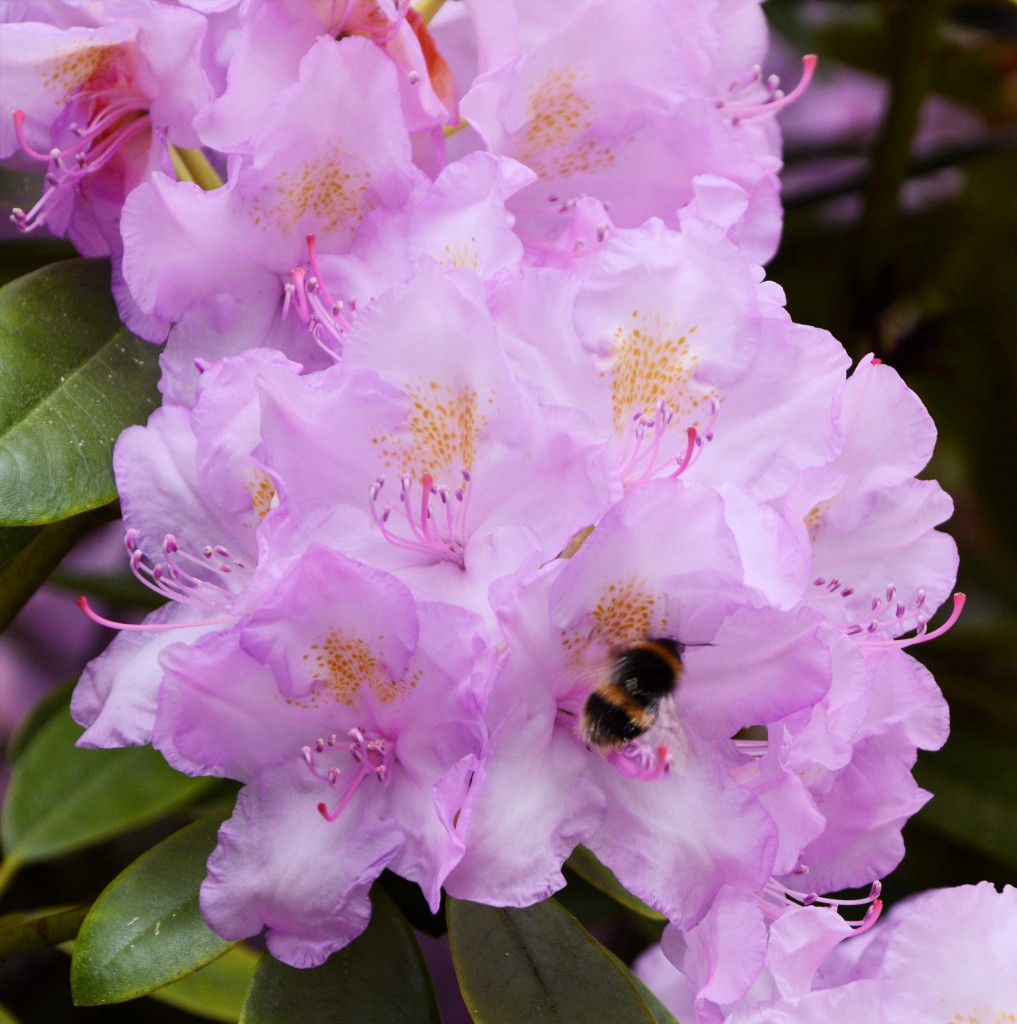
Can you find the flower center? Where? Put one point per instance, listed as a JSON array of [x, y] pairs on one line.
[[433, 524], [313, 305], [367, 20], [368, 754], [644, 459]]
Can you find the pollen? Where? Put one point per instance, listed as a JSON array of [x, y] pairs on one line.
[[332, 186], [814, 519], [464, 256], [556, 143], [441, 431], [262, 493], [342, 664], [71, 69], [653, 361], [625, 611]]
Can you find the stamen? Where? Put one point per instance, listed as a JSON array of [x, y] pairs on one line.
[[372, 755], [776, 99], [445, 540], [887, 612], [209, 582], [775, 899], [82, 603]]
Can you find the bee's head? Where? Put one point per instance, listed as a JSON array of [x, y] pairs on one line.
[[669, 645]]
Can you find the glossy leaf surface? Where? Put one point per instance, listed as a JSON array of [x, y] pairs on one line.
[[379, 977], [145, 929], [72, 377], [535, 965], [585, 864], [62, 798], [216, 991]]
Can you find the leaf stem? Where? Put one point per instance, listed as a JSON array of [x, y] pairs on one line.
[[9, 867], [21, 933]]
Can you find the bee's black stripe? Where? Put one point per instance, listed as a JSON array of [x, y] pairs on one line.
[[607, 723]]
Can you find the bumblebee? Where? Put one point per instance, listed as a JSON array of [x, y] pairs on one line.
[[628, 703]]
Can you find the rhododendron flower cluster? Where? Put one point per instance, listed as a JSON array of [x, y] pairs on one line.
[[455, 411]]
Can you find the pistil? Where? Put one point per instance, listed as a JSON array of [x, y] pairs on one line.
[[741, 101], [113, 116]]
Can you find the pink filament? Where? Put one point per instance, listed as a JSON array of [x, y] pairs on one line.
[[82, 603]]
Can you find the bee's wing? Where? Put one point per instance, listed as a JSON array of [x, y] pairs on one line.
[[670, 732]]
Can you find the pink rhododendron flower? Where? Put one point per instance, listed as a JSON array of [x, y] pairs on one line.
[[273, 39], [97, 92], [448, 431], [448, 473], [739, 958], [879, 566], [628, 103], [352, 713], [312, 168]]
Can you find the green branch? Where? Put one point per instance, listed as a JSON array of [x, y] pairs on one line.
[[25, 932]]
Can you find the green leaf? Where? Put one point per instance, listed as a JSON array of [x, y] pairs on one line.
[[661, 1014], [381, 975], [72, 377], [62, 798], [537, 965], [24, 255], [146, 929], [6, 1017], [218, 990], [585, 864]]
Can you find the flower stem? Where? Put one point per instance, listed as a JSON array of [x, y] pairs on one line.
[[192, 165], [427, 9]]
